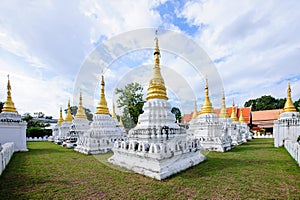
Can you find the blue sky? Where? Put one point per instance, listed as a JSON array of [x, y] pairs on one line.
[[255, 46]]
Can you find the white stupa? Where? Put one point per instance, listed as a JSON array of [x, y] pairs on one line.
[[234, 128], [157, 147], [12, 128], [208, 128], [103, 131], [65, 126]]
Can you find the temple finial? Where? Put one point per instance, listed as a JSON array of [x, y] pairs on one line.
[[156, 89], [241, 118], [114, 112], [223, 111], [80, 111], [102, 104], [195, 113], [61, 119], [121, 121], [69, 117], [9, 105], [233, 113], [207, 105], [289, 106]]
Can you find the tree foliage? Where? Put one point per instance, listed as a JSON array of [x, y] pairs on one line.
[[176, 111], [1, 106], [74, 109], [130, 99], [267, 102], [36, 128]]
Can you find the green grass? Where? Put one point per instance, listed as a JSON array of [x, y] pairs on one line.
[[253, 170]]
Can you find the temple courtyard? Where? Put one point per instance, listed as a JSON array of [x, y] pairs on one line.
[[253, 170]]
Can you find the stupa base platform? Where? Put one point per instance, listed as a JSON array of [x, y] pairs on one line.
[[92, 151], [213, 146], [155, 166]]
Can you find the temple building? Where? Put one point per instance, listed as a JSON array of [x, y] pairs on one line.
[[207, 128], [287, 128], [103, 131], [157, 147], [12, 128]]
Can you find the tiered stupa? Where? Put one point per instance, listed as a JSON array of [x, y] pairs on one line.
[[243, 128], [157, 147], [12, 128], [287, 127], [207, 128], [65, 127], [234, 129], [103, 131], [55, 132], [80, 123]]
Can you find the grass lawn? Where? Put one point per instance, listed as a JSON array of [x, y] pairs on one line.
[[253, 170]]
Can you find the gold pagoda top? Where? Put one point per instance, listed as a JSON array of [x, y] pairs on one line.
[[69, 117], [61, 119], [241, 118], [156, 89], [289, 106], [121, 121], [102, 104], [9, 105], [114, 115], [80, 111], [223, 111], [207, 105], [195, 114], [233, 113]]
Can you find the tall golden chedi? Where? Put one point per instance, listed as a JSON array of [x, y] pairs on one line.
[[157, 147], [289, 106], [103, 131], [223, 111], [12, 128], [233, 113], [207, 128], [65, 127]]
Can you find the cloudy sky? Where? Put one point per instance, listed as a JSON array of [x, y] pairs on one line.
[[46, 47]]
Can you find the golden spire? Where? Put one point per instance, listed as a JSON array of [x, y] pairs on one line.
[[121, 121], [207, 106], [61, 119], [233, 113], [9, 105], [156, 89], [102, 105], [289, 106], [114, 112], [69, 116], [223, 111], [195, 114], [241, 118], [279, 115], [80, 111]]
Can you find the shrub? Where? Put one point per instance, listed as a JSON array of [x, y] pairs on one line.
[[37, 132]]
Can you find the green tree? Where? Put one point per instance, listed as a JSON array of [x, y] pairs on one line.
[[297, 105], [1, 106], [177, 113], [130, 99], [74, 109]]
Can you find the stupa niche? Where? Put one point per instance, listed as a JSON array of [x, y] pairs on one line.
[[157, 147]]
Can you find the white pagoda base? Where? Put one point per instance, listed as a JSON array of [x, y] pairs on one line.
[[157, 147], [208, 130], [101, 136], [13, 129]]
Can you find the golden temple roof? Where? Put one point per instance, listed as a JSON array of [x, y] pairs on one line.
[[156, 89], [80, 111], [61, 119], [241, 118], [102, 104], [223, 111], [69, 117], [9, 105], [233, 113], [289, 106], [207, 105], [195, 113]]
